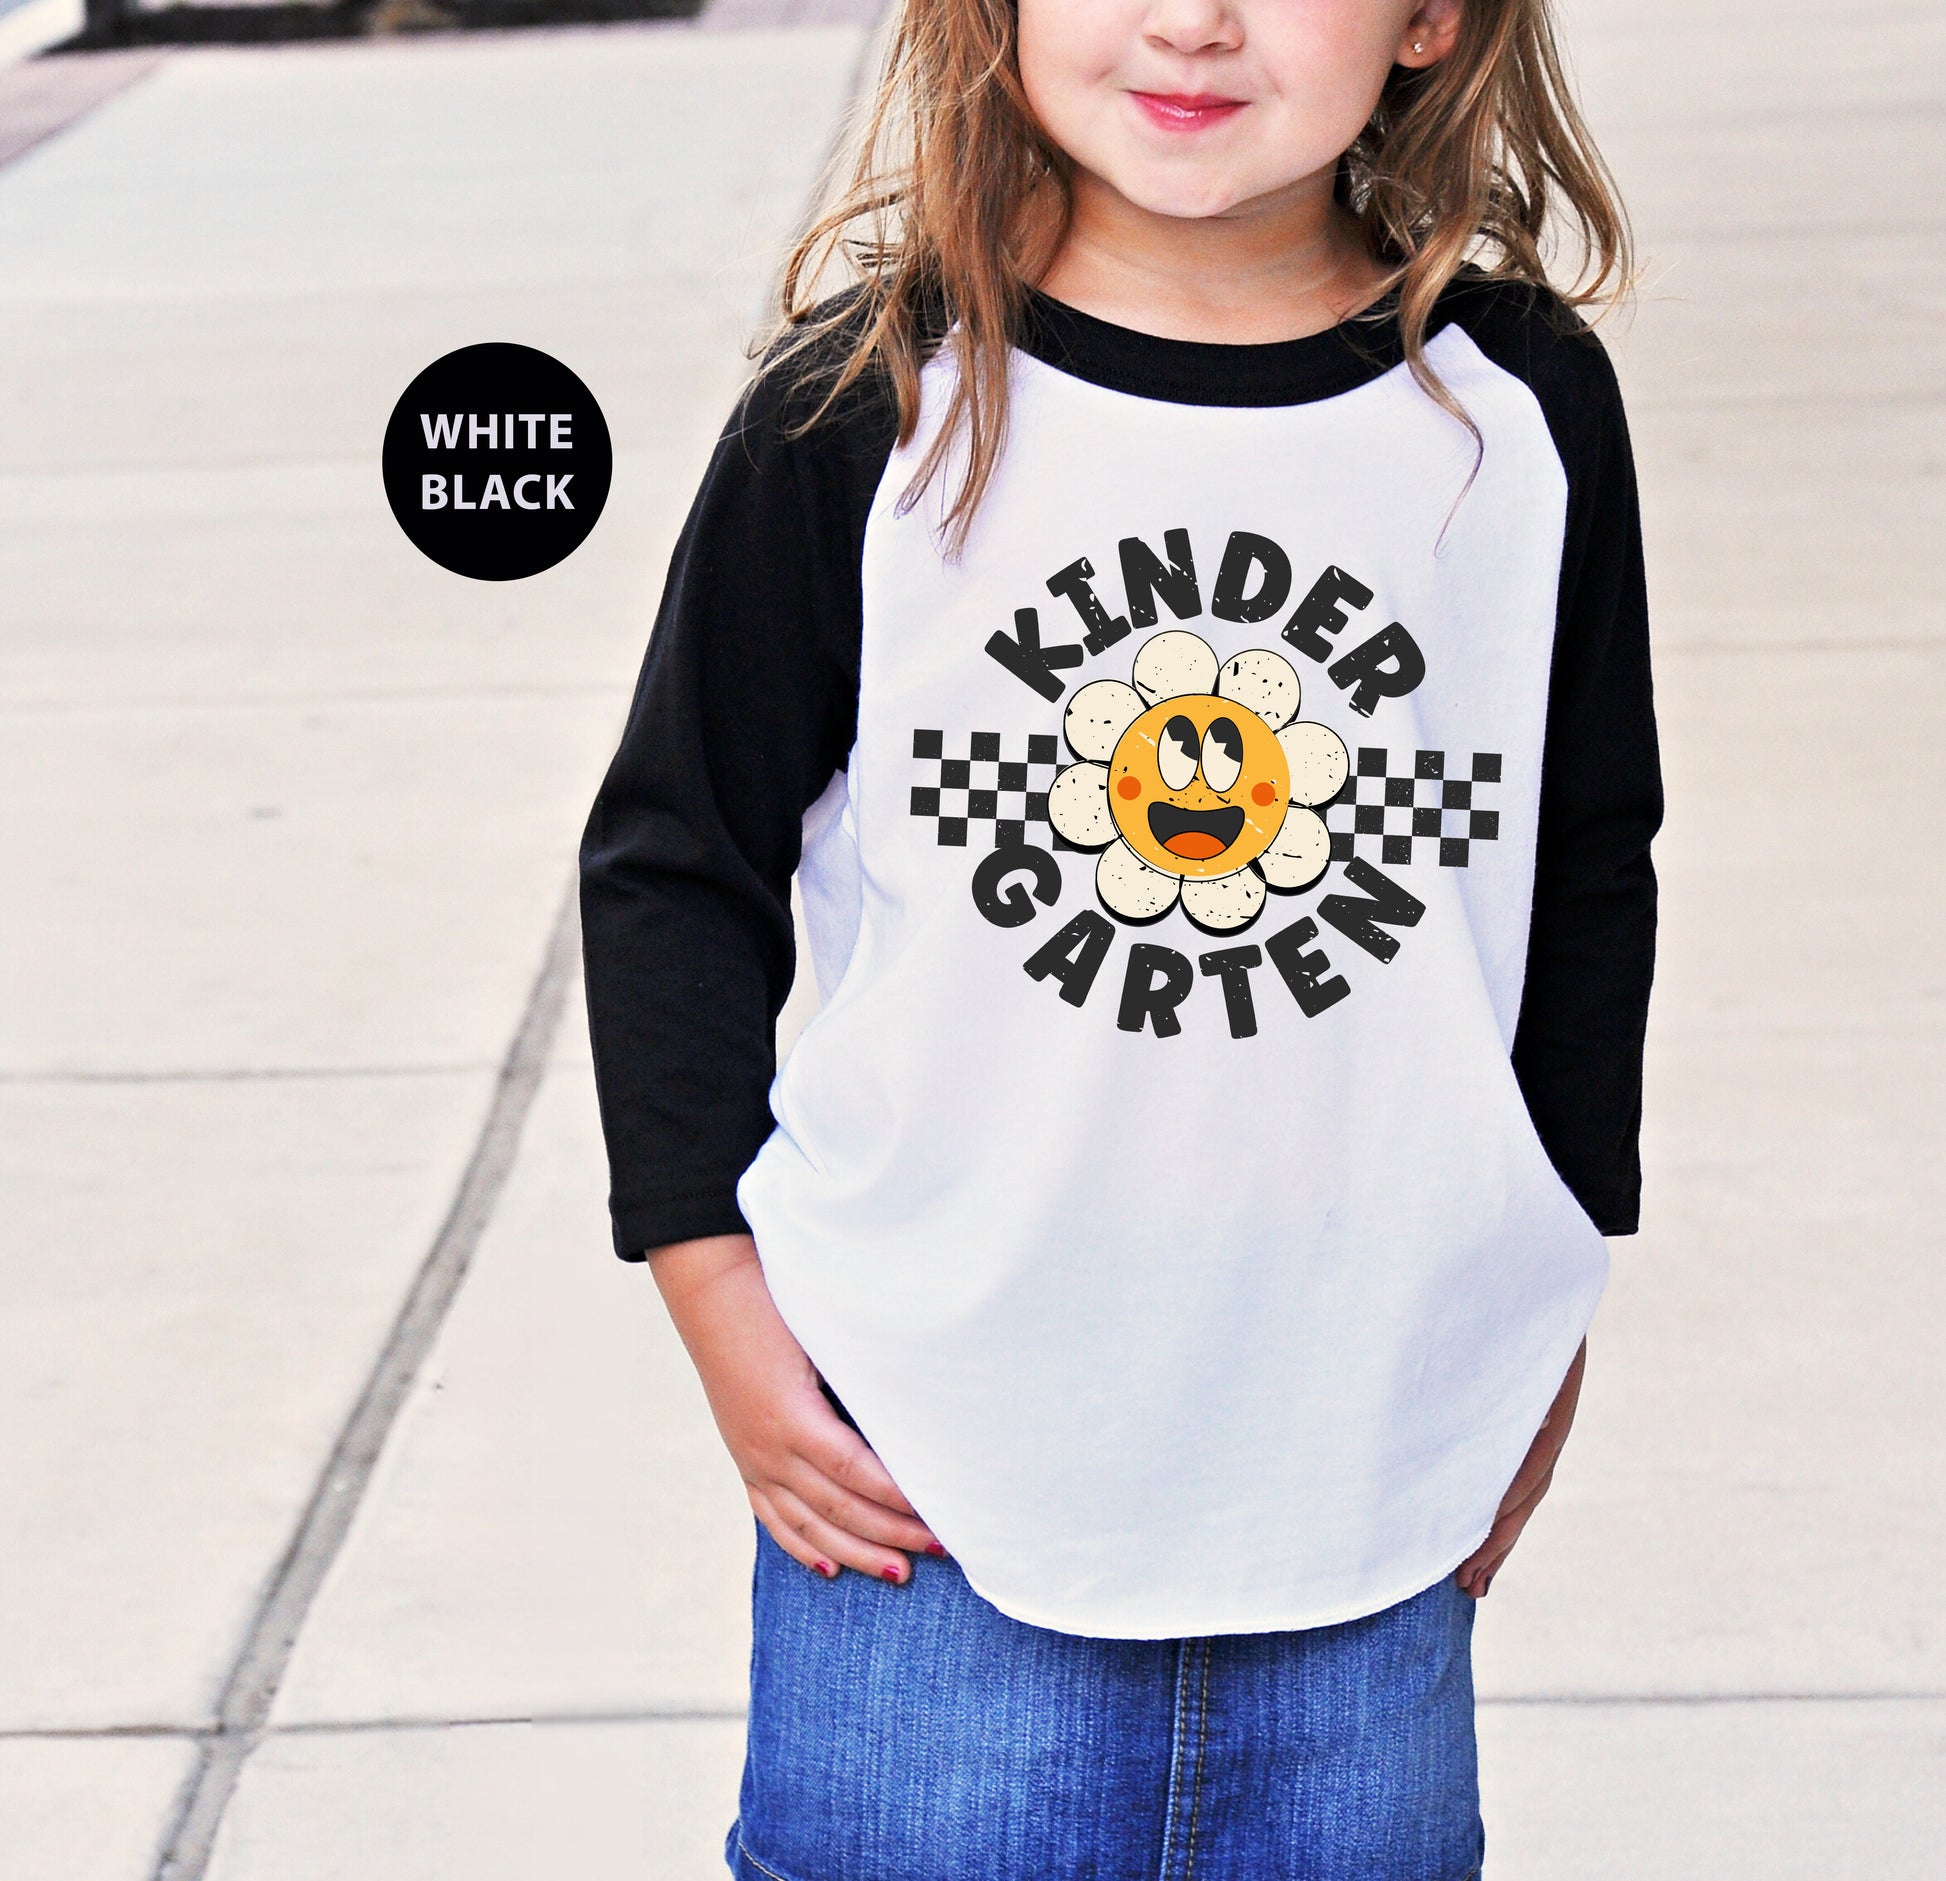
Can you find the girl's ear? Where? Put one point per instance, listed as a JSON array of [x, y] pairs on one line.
[[1431, 33]]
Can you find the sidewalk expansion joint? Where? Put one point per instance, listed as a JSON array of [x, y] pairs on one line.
[[1596, 1701], [253, 1072], [371, 1727], [538, 1720], [247, 1074], [1841, 399], [1876, 643], [735, 1714], [108, 706]]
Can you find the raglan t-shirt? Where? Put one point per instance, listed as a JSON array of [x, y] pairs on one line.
[[1227, 881]]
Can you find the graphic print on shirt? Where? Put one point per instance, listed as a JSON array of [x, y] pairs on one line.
[[1197, 783], [1199, 788]]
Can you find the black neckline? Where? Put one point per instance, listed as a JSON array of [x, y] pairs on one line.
[[1198, 372]]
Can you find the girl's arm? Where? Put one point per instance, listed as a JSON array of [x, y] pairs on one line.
[[1591, 946], [746, 707], [745, 710]]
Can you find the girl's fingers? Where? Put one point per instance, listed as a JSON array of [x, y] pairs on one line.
[[853, 1464], [786, 1537], [840, 1475], [872, 1521], [1477, 1575], [1536, 1468], [1531, 1482], [829, 1542], [1523, 1510], [1485, 1561], [1520, 1502], [1502, 1536]]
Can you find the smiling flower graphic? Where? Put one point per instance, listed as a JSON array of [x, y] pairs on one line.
[[1198, 783]]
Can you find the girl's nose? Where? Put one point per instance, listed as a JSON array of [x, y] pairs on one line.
[[1194, 26]]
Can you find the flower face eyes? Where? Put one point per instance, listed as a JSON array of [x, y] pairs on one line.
[[1219, 751], [1176, 753], [1222, 756]]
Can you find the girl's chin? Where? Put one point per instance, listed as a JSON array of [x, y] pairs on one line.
[[1181, 198]]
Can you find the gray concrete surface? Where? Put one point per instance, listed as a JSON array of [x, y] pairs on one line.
[[293, 810]]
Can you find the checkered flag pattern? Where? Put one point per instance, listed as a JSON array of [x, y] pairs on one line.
[[986, 789], [1424, 807]]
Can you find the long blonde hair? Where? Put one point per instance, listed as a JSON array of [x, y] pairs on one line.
[[958, 201]]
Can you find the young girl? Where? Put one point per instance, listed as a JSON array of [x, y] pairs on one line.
[[1180, 617]]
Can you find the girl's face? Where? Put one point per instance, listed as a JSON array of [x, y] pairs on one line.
[[1197, 108]]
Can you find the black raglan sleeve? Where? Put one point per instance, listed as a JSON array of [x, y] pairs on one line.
[[1591, 948], [746, 707]]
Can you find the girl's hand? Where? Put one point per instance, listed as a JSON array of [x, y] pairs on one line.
[[1529, 1485], [814, 1483]]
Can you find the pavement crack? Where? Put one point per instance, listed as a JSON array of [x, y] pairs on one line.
[[250, 1691]]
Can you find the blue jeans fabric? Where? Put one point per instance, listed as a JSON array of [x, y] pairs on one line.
[[917, 1734]]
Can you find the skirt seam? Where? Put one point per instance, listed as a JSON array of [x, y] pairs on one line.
[[1202, 1740], [1188, 1730]]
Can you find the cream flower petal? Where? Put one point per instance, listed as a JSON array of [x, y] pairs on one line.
[[1077, 806], [1266, 682], [1318, 759], [1130, 888], [1224, 903], [1172, 663], [1097, 716], [1299, 853]]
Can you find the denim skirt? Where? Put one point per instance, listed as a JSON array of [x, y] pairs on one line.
[[917, 1734]]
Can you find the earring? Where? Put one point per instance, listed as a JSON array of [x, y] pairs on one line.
[[1418, 45]]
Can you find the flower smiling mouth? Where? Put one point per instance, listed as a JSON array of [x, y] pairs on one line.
[[1195, 835]]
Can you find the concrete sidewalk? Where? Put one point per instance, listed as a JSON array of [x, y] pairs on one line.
[[293, 811], [1721, 1652]]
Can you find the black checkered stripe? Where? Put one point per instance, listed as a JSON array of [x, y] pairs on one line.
[[986, 788], [1398, 817]]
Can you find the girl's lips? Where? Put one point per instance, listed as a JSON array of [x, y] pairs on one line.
[[1185, 111]]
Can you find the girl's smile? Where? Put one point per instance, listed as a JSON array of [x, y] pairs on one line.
[[1183, 111]]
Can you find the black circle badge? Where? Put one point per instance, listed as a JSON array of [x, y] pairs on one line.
[[497, 461]]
